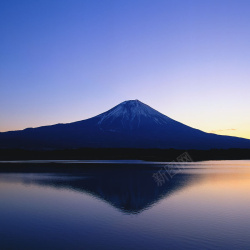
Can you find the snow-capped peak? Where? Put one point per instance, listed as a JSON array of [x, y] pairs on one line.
[[129, 114]]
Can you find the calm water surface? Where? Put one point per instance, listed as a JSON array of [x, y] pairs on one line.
[[204, 206]]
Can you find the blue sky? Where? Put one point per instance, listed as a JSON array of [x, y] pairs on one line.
[[62, 61]]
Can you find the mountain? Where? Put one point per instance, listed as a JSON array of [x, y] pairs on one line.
[[131, 124]]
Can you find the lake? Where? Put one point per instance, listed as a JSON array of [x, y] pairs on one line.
[[77, 205]]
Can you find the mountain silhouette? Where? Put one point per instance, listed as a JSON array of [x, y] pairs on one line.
[[131, 124]]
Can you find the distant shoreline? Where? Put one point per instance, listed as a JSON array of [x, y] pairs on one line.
[[122, 154], [89, 167], [122, 162]]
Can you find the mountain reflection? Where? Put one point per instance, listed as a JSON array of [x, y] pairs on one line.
[[129, 190]]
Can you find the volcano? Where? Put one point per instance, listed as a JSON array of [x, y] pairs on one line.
[[131, 124]]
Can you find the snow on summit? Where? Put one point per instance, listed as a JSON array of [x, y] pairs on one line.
[[131, 124], [129, 114]]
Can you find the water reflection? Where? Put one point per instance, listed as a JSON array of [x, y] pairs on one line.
[[203, 207], [129, 190]]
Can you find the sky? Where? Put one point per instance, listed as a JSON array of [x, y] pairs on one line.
[[68, 60]]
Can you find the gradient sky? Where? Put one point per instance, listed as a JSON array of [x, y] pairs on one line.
[[68, 60]]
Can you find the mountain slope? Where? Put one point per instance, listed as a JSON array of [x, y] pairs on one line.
[[131, 124]]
